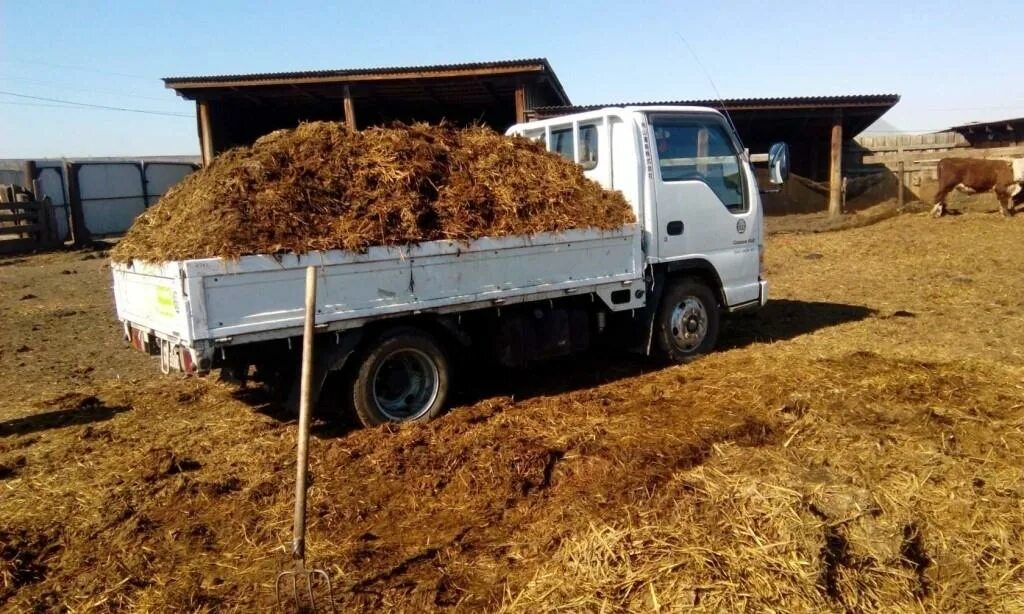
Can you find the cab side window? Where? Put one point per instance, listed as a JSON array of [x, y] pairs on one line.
[[699, 149], [535, 135], [561, 143], [588, 147]]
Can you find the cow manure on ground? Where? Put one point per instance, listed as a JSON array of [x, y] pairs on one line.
[[9, 468], [162, 462], [23, 557]]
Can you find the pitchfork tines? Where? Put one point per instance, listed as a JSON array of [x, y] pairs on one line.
[[294, 583]]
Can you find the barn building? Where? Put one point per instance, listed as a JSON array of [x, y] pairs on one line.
[[999, 133], [237, 109]]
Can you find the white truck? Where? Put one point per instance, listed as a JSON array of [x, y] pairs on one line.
[[392, 320]]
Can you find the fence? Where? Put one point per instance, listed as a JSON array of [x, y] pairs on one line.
[[912, 158], [25, 224], [97, 198]]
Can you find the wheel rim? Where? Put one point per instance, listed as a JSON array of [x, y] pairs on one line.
[[689, 324], [405, 384]]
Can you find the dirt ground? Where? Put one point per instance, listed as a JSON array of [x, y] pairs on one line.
[[858, 445]]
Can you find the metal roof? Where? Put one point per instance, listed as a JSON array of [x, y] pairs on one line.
[[750, 104], [469, 69], [765, 120], [985, 134], [1014, 123]]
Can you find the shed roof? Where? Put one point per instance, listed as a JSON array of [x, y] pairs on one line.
[[192, 87], [774, 115], [1004, 124], [752, 104], [997, 130]]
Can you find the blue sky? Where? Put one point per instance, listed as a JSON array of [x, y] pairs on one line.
[[948, 60]]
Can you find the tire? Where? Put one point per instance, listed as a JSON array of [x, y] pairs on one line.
[[403, 377], [686, 325]]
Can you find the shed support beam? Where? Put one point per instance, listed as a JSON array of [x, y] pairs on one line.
[[520, 103], [835, 179], [203, 114], [350, 110]]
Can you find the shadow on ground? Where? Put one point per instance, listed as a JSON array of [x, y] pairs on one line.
[[785, 319], [87, 411], [779, 320]]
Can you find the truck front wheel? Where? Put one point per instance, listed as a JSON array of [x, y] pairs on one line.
[[402, 378], [687, 321]]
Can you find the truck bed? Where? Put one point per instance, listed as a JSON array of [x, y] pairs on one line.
[[216, 301]]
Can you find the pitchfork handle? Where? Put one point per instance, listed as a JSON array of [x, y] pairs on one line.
[[299, 539]]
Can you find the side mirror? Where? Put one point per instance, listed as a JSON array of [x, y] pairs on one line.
[[778, 163]]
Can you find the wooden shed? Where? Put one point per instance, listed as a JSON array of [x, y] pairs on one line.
[[237, 109], [998, 133]]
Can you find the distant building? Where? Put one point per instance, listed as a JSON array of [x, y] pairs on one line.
[[1000, 133], [237, 109]]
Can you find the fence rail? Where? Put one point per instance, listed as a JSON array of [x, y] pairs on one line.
[[26, 225]]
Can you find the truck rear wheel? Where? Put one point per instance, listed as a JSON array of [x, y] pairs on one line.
[[402, 378], [687, 321]]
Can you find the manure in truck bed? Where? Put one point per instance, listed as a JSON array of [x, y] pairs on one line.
[[322, 186]]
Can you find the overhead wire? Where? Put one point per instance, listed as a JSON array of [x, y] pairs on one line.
[[73, 67], [69, 87], [73, 104]]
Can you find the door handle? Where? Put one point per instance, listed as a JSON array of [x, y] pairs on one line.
[[674, 228]]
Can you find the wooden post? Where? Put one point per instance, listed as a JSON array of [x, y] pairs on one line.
[[79, 232], [900, 172], [47, 213], [350, 110], [902, 178], [44, 217], [28, 176], [835, 178], [520, 103], [204, 115]]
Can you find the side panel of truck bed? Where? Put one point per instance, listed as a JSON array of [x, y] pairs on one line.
[[261, 296]]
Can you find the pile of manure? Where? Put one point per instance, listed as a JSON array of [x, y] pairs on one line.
[[322, 186]]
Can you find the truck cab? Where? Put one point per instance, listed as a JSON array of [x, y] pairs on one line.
[[689, 181]]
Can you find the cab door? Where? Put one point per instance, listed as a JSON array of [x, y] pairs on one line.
[[705, 200]]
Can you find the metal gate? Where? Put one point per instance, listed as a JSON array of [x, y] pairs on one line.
[[106, 197]]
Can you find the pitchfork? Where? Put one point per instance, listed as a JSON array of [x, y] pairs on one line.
[[301, 575]]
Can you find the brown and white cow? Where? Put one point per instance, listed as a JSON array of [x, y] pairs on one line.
[[1004, 177]]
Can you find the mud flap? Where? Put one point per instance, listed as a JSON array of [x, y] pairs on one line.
[[640, 333]]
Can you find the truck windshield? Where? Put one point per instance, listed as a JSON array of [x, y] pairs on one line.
[[693, 148]]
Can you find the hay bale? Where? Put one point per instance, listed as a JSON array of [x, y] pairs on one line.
[[322, 186]]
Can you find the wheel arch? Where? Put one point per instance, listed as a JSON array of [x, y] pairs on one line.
[[701, 269]]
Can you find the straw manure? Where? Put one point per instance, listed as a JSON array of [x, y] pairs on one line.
[[322, 186], [858, 446]]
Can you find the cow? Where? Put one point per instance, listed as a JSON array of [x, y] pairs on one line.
[[1004, 177]]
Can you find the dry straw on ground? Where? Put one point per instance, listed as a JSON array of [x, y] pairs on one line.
[[856, 447], [322, 186]]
